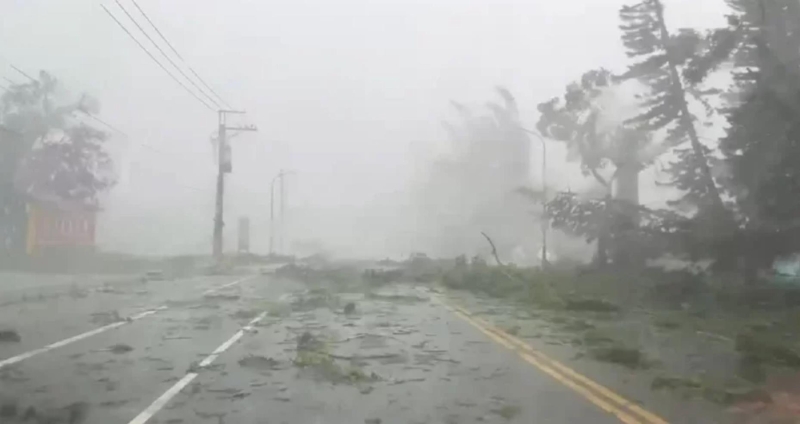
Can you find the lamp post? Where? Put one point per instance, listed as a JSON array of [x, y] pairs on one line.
[[277, 177], [544, 193]]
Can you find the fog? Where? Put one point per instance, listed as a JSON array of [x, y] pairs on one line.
[[349, 95]]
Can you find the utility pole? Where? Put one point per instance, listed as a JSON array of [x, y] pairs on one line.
[[224, 167]]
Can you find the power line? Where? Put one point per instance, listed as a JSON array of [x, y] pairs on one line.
[[166, 56], [23, 73], [156, 60], [179, 55], [129, 138], [123, 133], [162, 172], [114, 128]]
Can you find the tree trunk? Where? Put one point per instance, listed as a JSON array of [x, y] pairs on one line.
[[626, 185], [626, 189], [686, 119], [600, 259]]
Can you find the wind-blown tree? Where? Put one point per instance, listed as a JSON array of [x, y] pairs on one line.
[[47, 152], [596, 136], [608, 222], [660, 57], [763, 142], [471, 189], [75, 168], [604, 144]]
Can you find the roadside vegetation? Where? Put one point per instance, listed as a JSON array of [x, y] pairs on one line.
[[696, 335]]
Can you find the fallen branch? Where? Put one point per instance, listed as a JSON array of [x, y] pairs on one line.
[[497, 258], [360, 357], [494, 249]]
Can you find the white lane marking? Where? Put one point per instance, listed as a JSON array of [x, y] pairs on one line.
[[162, 400], [23, 356], [225, 286]]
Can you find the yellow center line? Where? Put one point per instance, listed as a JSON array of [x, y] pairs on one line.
[[607, 400]]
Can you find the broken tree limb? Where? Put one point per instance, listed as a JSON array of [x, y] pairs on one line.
[[361, 357], [497, 258], [494, 249]]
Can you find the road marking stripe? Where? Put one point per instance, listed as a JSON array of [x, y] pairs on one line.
[[225, 286], [560, 372], [61, 343], [23, 356], [621, 415], [647, 415], [162, 400]]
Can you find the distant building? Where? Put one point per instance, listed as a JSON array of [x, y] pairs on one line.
[[12, 204], [56, 226]]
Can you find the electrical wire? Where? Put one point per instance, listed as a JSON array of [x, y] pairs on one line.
[[202, 81], [23, 73], [115, 129], [111, 15], [166, 56], [123, 133], [129, 138]]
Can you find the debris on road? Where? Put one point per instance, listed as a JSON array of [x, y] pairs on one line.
[[153, 275], [8, 410], [120, 348], [507, 411], [312, 355], [398, 298], [225, 297], [626, 356], [259, 362], [9, 336], [316, 298], [106, 317]]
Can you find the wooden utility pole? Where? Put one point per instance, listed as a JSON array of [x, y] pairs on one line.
[[224, 167]]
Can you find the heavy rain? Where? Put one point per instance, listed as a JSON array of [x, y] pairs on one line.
[[378, 212]]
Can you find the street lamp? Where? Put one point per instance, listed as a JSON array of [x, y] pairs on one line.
[[544, 193]]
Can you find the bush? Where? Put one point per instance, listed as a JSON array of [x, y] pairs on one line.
[[531, 285]]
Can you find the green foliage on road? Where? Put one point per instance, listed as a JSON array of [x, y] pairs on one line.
[[313, 355]]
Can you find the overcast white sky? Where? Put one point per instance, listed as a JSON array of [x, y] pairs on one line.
[[348, 93]]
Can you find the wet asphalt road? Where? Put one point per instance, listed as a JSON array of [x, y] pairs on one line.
[[395, 359]]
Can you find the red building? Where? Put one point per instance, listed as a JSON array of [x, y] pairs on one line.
[[57, 225]]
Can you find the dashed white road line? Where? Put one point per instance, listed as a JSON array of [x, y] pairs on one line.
[[162, 400], [225, 286], [23, 356]]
